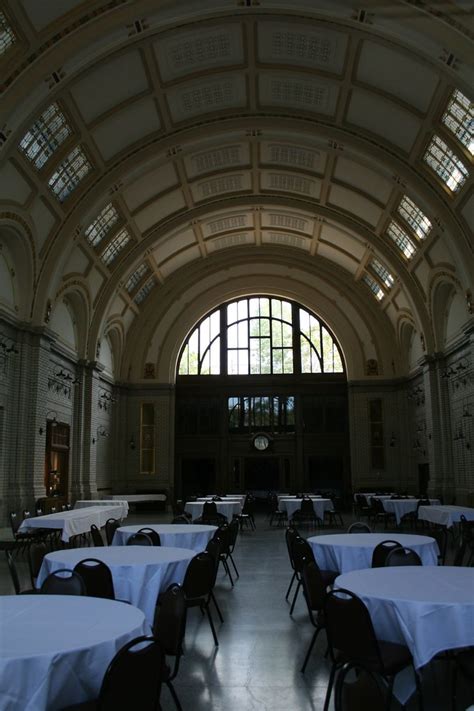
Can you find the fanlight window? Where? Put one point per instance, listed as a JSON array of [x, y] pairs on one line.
[[260, 335]]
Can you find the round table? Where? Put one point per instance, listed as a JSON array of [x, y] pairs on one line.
[[400, 507], [67, 640], [353, 551], [139, 573], [193, 536], [427, 608], [226, 508]]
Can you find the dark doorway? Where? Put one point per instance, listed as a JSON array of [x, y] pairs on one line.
[[261, 473], [198, 476], [423, 478], [326, 472]]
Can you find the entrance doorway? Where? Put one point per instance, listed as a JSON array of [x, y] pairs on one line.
[[261, 473], [198, 476]]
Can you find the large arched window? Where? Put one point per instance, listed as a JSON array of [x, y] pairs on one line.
[[260, 335]]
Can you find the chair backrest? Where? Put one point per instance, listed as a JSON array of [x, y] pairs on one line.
[[359, 527], [290, 535], [63, 582], [349, 627], [96, 535], [403, 556], [97, 578], [134, 676], [233, 533], [139, 539], [301, 552], [199, 578], [307, 506], [26, 514], [169, 623], [15, 522], [314, 587], [180, 519], [381, 552], [361, 500], [36, 552], [151, 533], [111, 526], [209, 509], [13, 571], [422, 502]]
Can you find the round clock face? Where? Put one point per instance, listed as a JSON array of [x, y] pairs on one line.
[[261, 442]]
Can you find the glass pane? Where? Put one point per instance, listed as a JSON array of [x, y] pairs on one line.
[[231, 313], [216, 357], [315, 362], [232, 336], [254, 307], [264, 307], [254, 324], [215, 324], [265, 356], [276, 308], [287, 335], [264, 327], [232, 362], [305, 355], [287, 312], [205, 365], [277, 335], [278, 360], [243, 362], [327, 352], [338, 367], [243, 309], [204, 336], [287, 360], [243, 334]]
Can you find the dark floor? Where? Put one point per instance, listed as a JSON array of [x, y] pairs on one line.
[[256, 666]]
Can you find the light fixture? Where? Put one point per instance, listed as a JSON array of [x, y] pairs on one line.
[[131, 442], [392, 440], [53, 420]]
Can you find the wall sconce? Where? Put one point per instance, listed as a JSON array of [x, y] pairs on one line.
[[392, 441], [102, 432], [53, 420], [131, 442]]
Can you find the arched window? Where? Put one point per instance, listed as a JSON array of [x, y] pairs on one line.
[[260, 335]]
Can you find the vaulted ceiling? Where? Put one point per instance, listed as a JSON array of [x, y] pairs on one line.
[[198, 151]]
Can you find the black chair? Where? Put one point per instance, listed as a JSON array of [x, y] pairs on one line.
[[9, 553], [96, 536], [247, 514], [362, 507], [36, 552], [139, 539], [97, 578], [233, 535], [198, 583], [180, 519], [302, 553], [379, 513], [169, 626], [365, 692], [464, 554], [218, 547], [440, 534], [290, 535], [210, 514], [352, 639], [464, 663], [23, 538], [133, 679], [63, 582], [306, 514], [381, 551], [359, 527], [334, 515], [111, 526], [402, 556], [275, 513], [154, 535], [412, 516], [314, 590]]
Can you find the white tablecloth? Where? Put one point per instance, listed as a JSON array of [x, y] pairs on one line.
[[193, 536], [134, 498], [353, 551], [227, 508], [123, 505], [445, 515], [73, 522], [55, 649], [139, 572], [228, 499], [319, 505], [429, 609], [400, 507]]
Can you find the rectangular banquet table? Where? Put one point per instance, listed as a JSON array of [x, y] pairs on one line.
[[320, 505], [427, 608], [139, 573], [400, 507], [344, 552], [224, 507], [445, 515], [122, 505], [74, 522], [55, 649]]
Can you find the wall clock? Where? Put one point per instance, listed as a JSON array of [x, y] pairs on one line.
[[261, 442]]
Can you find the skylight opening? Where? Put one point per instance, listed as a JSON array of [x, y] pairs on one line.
[[374, 287], [414, 217], [136, 277], [113, 249], [401, 239], [382, 272], [102, 224], [69, 173], [459, 118], [446, 164], [7, 36], [45, 136], [145, 290]]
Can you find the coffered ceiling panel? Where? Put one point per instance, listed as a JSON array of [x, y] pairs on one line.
[[396, 73], [343, 259], [125, 127], [159, 209], [223, 157], [116, 81], [43, 219], [180, 260], [175, 243], [353, 202], [286, 240], [296, 44], [298, 222], [14, 186], [237, 239], [153, 182], [304, 92], [225, 222], [363, 178], [230, 183], [294, 155], [40, 14], [290, 182], [202, 96], [384, 118], [345, 242], [185, 52]]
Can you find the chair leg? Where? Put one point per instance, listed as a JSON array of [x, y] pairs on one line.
[[227, 571], [233, 563], [295, 596], [217, 607], [310, 649], [174, 695], [290, 585], [329, 689], [209, 617]]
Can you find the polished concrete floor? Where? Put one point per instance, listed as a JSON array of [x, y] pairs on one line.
[[261, 648]]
